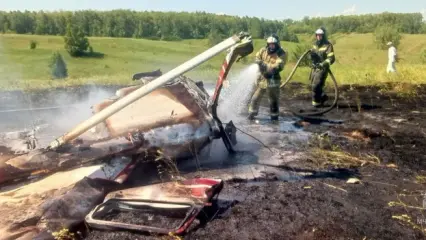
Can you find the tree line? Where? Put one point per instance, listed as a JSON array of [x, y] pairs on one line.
[[410, 23], [199, 25]]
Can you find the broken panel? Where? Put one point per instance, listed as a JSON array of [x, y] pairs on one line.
[[161, 208]]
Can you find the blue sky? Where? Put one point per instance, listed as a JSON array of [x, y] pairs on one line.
[[266, 9]]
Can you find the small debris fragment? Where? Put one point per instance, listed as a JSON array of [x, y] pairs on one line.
[[400, 120], [353, 180], [307, 187], [334, 187], [391, 165], [357, 135]]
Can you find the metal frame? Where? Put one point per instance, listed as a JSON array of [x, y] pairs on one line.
[[194, 204]]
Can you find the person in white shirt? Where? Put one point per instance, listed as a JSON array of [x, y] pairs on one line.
[[392, 58]]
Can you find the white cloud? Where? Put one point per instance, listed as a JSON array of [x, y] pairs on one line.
[[318, 14], [349, 11], [423, 11], [221, 13]]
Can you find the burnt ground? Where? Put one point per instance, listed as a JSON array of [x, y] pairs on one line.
[[381, 142]]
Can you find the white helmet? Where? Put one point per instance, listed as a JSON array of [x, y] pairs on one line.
[[271, 39], [274, 40], [319, 31]]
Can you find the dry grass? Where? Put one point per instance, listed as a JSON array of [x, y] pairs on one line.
[[323, 151], [406, 219], [341, 159], [63, 234], [421, 180], [418, 206]]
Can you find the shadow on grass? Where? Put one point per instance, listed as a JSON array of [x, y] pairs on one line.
[[92, 55]]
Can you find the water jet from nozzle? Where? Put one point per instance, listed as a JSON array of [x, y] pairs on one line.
[[235, 99]]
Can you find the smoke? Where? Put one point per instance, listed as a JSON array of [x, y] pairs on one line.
[[80, 109], [68, 117], [60, 110]]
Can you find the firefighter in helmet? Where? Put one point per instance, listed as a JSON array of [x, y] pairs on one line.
[[271, 60], [322, 56]]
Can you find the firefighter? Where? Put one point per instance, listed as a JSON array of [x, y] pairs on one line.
[[271, 60], [322, 56]]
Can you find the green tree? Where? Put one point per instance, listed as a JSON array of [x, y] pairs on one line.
[[385, 34], [58, 67], [255, 28], [33, 44], [285, 35], [215, 36], [423, 29], [183, 25], [298, 52], [76, 43]]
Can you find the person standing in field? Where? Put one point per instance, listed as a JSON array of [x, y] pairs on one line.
[[322, 57], [392, 58], [271, 60]]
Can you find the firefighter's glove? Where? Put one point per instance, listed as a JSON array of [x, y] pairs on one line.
[[314, 57], [316, 66], [262, 66], [320, 66], [268, 75], [324, 65]]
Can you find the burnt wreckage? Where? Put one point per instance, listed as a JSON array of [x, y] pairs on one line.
[[169, 113]]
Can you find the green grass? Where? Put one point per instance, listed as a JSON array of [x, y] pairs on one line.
[[358, 61]]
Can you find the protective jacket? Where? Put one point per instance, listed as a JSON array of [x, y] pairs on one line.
[[275, 62], [323, 52]]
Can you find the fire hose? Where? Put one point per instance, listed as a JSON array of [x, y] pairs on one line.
[[301, 112]]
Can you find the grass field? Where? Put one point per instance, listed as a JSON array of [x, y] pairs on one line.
[[358, 61]]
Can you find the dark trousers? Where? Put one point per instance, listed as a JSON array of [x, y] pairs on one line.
[[318, 77], [273, 97]]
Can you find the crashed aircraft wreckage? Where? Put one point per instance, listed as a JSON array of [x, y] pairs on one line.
[[169, 112]]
